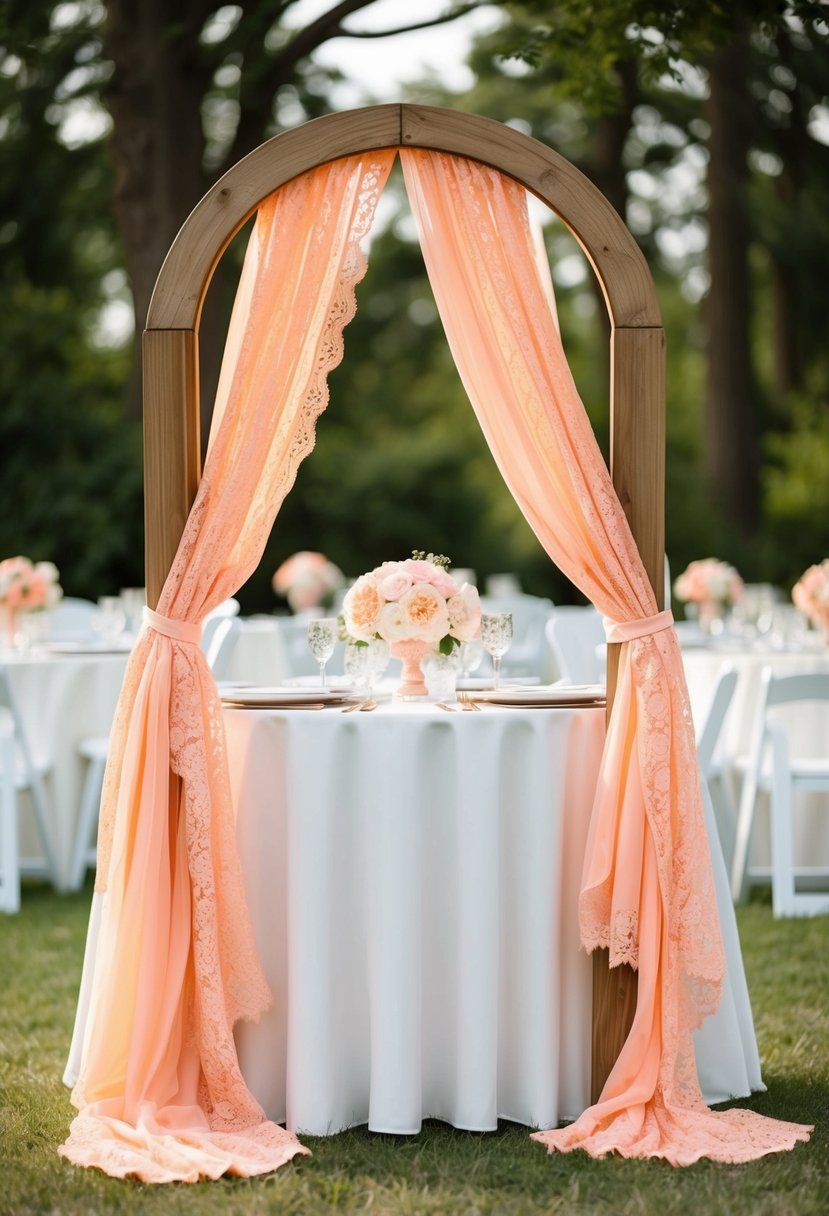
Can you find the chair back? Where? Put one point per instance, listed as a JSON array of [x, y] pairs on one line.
[[71, 620], [9, 854], [530, 614], [219, 650], [27, 776], [711, 732], [225, 611], [574, 634]]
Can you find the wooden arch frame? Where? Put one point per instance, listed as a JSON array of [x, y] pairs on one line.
[[637, 355]]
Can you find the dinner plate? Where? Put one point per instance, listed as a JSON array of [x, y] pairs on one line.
[[548, 695], [279, 695], [471, 683], [88, 647]]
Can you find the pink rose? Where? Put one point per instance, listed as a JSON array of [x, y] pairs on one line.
[[464, 610], [361, 608], [426, 611], [445, 584], [393, 579], [420, 571], [306, 578]]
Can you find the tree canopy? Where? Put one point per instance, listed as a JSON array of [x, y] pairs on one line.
[[705, 124]]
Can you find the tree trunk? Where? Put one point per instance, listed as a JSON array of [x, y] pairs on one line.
[[157, 142], [731, 410]]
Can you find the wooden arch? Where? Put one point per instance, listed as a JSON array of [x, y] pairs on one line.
[[637, 379]]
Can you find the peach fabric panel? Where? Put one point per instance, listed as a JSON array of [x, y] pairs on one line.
[[160, 1092], [647, 889]]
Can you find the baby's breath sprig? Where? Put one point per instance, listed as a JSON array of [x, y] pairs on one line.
[[437, 559]]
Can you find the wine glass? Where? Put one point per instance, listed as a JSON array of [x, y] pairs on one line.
[[496, 635], [108, 619], [471, 654], [322, 638]]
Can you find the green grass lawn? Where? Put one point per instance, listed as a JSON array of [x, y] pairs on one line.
[[441, 1171]]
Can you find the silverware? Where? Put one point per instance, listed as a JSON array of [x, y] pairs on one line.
[[367, 706], [468, 704], [450, 709]]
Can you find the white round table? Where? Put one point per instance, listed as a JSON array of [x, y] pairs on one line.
[[413, 880], [63, 697], [808, 728]]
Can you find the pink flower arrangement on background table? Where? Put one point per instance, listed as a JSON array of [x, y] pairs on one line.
[[710, 584], [26, 586], [417, 607], [811, 595], [308, 580]]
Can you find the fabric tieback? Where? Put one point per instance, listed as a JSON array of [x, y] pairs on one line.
[[179, 631], [627, 631]]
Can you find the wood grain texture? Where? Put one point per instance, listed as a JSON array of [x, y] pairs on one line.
[[172, 465], [637, 463], [637, 441], [614, 1004], [215, 220], [616, 258]]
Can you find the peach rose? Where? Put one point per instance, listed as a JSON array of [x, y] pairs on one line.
[[361, 608], [464, 611], [425, 609]]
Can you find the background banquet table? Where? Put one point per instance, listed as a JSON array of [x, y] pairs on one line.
[[413, 881], [807, 726], [63, 697]]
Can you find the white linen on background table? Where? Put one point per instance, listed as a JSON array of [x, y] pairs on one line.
[[807, 726], [413, 881], [63, 698]]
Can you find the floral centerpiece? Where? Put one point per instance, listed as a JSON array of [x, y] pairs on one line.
[[710, 584], [811, 595], [417, 607], [26, 587], [308, 580]]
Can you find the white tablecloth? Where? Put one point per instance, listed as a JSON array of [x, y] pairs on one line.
[[808, 729], [413, 880], [62, 699]]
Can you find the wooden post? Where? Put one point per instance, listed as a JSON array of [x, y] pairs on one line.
[[172, 464], [637, 462]]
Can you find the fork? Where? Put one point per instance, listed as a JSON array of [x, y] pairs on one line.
[[468, 704]]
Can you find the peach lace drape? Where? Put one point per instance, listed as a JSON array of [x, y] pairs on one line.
[[160, 1093], [647, 890]]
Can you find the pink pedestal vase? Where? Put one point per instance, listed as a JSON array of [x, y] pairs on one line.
[[411, 651]]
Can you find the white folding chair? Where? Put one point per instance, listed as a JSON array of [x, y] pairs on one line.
[[574, 634], [219, 634], [219, 650], [226, 610], [530, 614], [28, 775], [71, 620], [9, 855], [771, 767], [714, 764]]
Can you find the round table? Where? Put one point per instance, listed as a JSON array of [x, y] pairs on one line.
[[63, 697], [413, 879], [807, 726]]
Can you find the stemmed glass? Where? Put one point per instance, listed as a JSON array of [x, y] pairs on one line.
[[322, 638], [496, 635]]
